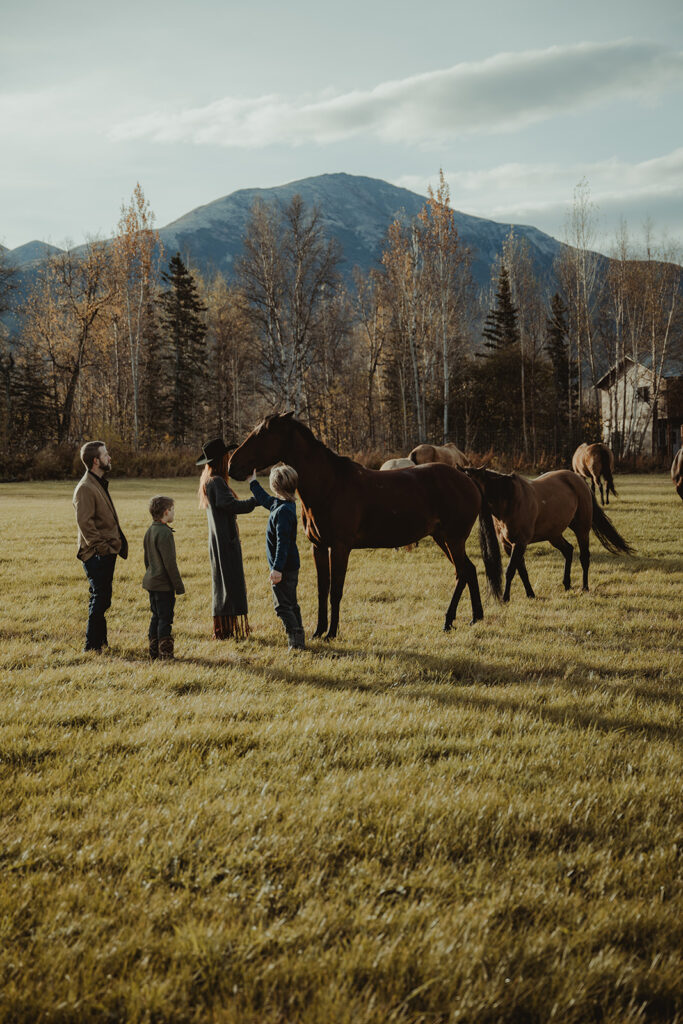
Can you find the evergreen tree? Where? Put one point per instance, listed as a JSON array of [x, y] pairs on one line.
[[184, 334], [498, 376], [501, 328], [557, 349], [155, 390]]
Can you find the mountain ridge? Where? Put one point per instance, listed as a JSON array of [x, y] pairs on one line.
[[355, 209]]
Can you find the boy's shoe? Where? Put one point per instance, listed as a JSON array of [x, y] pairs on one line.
[[297, 640], [154, 648], [166, 648]]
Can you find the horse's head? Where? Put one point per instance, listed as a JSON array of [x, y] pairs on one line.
[[267, 444], [496, 488]]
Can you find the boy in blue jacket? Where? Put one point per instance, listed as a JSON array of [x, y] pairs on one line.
[[281, 549]]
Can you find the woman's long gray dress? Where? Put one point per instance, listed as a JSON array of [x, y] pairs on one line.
[[229, 591]]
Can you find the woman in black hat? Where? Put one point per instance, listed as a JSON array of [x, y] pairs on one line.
[[222, 505]]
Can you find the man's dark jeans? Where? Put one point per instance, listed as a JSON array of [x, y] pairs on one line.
[[284, 600], [100, 572], [162, 603]]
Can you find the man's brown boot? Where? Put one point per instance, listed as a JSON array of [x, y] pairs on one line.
[[153, 647], [166, 648]]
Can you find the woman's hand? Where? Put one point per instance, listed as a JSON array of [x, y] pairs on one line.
[[252, 477]]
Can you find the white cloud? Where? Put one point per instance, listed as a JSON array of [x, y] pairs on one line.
[[501, 93], [541, 194]]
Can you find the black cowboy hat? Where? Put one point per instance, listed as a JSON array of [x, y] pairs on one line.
[[214, 450]]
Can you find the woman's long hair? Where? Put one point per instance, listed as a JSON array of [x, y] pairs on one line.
[[211, 470]]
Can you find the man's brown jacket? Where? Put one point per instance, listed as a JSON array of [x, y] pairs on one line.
[[99, 532]]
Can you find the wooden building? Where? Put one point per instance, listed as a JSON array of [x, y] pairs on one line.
[[636, 419]]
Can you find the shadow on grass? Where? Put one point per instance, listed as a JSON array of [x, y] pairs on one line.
[[437, 676]]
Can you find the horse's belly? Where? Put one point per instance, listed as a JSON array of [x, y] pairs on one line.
[[393, 532]]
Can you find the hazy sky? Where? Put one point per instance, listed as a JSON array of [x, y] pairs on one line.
[[516, 102]]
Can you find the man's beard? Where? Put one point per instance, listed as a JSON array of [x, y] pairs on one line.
[[107, 468]]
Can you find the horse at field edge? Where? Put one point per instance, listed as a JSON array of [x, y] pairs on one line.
[[529, 511], [595, 462], [346, 506], [448, 453], [677, 472], [396, 464]]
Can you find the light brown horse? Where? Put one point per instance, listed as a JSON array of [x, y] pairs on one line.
[[595, 462], [447, 453], [529, 511], [677, 472], [345, 506]]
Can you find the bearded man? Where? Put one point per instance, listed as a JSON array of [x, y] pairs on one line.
[[100, 538]]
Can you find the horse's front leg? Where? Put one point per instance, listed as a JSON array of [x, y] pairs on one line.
[[321, 557], [339, 560], [516, 558], [465, 576]]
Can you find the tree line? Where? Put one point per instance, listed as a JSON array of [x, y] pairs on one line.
[[123, 341]]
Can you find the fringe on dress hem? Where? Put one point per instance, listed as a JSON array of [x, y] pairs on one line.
[[227, 626]]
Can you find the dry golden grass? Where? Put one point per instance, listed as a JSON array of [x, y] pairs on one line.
[[403, 825]]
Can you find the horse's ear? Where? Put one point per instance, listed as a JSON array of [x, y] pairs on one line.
[[288, 415]]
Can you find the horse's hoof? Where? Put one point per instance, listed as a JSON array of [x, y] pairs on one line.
[[447, 627], [531, 596], [318, 633], [479, 618]]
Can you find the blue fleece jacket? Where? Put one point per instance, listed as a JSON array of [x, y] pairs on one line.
[[281, 549]]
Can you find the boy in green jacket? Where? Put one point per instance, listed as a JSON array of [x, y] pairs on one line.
[[162, 578]]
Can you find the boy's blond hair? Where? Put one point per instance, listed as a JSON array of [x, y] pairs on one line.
[[284, 480]]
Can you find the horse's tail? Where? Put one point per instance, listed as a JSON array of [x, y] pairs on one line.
[[607, 534], [607, 473], [490, 550]]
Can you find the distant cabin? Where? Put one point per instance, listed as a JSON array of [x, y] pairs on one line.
[[633, 420]]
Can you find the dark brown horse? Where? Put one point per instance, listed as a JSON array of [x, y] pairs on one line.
[[529, 511], [346, 506], [677, 472], [595, 462]]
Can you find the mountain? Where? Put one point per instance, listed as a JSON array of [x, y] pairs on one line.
[[355, 210], [30, 253]]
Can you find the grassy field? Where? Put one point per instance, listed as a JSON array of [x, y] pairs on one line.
[[403, 825]]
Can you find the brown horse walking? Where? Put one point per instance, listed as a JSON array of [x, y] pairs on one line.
[[447, 453], [346, 506], [677, 472], [595, 462], [529, 511]]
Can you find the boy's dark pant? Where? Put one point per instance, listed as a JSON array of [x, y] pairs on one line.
[[285, 603], [100, 572], [162, 603]]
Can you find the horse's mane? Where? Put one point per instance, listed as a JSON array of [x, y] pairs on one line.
[[302, 429]]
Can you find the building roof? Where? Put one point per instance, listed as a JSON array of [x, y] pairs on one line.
[[673, 367]]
